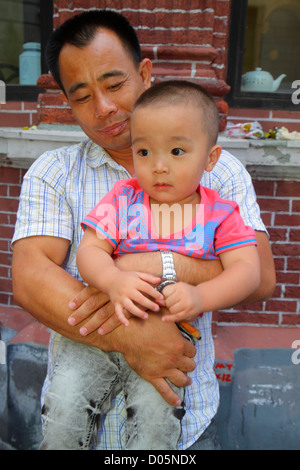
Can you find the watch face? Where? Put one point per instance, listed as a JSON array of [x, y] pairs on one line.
[[165, 283]]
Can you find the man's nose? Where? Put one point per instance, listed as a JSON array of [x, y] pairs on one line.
[[103, 105]]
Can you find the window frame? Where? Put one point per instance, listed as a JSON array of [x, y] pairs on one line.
[[18, 92], [242, 99]]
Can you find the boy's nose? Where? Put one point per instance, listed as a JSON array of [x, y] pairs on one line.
[[160, 165]]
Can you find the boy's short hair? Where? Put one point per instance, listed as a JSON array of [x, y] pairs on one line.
[[184, 92], [81, 29]]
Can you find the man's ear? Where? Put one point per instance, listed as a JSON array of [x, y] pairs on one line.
[[145, 69], [214, 155]]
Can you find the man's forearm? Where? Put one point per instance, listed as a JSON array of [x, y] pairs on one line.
[[46, 294], [190, 270]]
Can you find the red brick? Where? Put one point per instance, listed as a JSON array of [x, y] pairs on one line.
[[5, 299], [288, 189], [8, 204], [273, 205], [290, 319], [10, 175], [266, 218], [3, 190], [281, 306], [286, 219], [279, 264], [277, 234], [286, 249], [296, 205], [4, 245], [15, 119], [12, 106], [4, 272], [293, 264], [263, 188], [64, 116], [287, 278], [295, 235], [246, 317], [250, 113], [6, 232], [14, 190], [5, 285], [292, 292]]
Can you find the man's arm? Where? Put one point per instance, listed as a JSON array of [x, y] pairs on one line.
[[194, 271], [44, 289]]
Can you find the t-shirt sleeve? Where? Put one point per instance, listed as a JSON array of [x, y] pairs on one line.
[[233, 233], [103, 218], [43, 209]]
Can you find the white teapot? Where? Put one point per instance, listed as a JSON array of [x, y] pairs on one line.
[[258, 81]]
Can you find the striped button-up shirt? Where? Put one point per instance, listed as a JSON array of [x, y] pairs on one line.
[[59, 189]]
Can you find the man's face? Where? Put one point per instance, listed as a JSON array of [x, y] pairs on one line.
[[102, 84]]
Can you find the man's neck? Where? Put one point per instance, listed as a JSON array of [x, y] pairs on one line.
[[123, 158]]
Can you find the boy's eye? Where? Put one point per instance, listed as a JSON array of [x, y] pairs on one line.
[[143, 152], [177, 151]]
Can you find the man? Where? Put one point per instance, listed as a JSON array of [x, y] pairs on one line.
[[97, 61]]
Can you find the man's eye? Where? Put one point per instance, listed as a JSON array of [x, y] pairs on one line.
[[143, 152], [116, 86], [177, 151], [82, 99]]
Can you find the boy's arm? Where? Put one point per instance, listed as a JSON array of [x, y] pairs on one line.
[[240, 277], [130, 290], [194, 271]]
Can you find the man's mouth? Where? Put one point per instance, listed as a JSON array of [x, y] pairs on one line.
[[114, 129]]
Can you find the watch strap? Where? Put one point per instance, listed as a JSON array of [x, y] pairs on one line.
[[168, 266]]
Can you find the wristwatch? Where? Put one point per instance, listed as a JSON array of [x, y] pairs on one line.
[[169, 273]]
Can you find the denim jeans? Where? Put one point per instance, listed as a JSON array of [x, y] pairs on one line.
[[84, 384]]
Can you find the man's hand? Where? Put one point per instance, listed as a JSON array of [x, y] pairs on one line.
[[92, 305]]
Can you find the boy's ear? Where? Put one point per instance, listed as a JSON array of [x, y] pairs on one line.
[[214, 155]]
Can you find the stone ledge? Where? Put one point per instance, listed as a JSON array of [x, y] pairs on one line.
[[265, 159]]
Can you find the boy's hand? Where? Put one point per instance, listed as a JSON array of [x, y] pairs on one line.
[[182, 301], [131, 291]]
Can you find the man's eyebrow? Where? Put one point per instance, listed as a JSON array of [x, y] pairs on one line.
[[101, 78]]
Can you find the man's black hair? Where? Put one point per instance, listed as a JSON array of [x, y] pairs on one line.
[[81, 29]]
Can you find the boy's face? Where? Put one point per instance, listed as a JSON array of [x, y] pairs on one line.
[[171, 151]]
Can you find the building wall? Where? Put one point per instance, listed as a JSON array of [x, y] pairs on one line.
[[280, 205], [184, 38]]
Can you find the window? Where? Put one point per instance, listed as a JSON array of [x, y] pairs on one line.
[[24, 25], [264, 40]]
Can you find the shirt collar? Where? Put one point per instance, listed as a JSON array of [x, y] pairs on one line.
[[96, 156]]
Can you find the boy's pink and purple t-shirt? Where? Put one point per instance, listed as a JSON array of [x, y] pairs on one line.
[[123, 217]]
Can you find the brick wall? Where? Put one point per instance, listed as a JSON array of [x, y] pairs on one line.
[[280, 205], [266, 117], [183, 38], [10, 185], [18, 114]]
